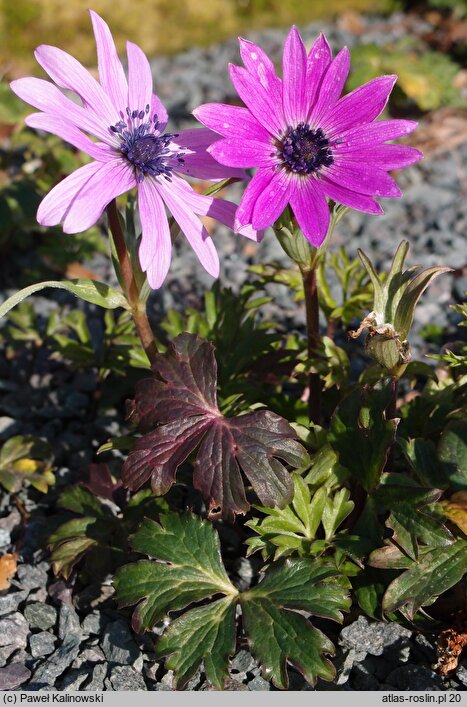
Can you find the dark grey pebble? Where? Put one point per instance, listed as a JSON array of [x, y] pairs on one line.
[[53, 667], [33, 577], [11, 601], [41, 616], [13, 675], [41, 644], [119, 645], [124, 677]]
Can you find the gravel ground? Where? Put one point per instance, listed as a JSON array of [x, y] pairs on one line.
[[57, 636]]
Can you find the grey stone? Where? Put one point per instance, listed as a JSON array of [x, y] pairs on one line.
[[14, 631], [8, 427], [13, 675], [259, 683], [39, 595], [11, 601], [5, 537], [151, 670], [124, 677], [235, 685], [93, 623], [166, 682], [74, 680], [92, 655], [461, 675], [11, 521], [99, 673], [41, 616], [53, 667], [414, 677], [5, 653], [372, 637], [119, 645], [41, 644], [343, 671], [32, 577], [68, 622], [243, 662]]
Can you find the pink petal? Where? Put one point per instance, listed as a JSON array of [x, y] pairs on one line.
[[111, 74], [111, 180], [331, 86], [259, 65], [68, 73], [231, 121], [319, 58], [350, 198], [157, 108], [255, 188], [196, 234], [155, 250], [272, 201], [385, 157], [199, 163], [264, 105], [294, 68], [69, 132], [311, 209], [224, 212], [47, 97], [54, 207], [362, 105], [375, 133], [363, 178], [244, 153], [139, 79]]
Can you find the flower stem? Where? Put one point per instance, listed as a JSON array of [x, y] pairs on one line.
[[138, 310], [313, 339]]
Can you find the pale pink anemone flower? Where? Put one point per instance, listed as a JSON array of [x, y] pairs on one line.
[[307, 142], [133, 151]]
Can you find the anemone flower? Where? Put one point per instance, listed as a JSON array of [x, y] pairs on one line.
[[307, 142], [132, 150]]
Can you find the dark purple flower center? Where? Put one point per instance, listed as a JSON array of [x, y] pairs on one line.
[[303, 150], [143, 145]]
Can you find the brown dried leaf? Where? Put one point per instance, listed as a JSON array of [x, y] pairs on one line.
[[7, 569]]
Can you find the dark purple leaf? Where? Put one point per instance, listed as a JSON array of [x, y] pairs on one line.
[[100, 483], [179, 405]]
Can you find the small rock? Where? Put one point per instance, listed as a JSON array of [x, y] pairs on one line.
[[92, 655], [119, 645], [33, 577], [11, 521], [166, 682], [74, 680], [53, 667], [68, 622], [11, 602], [234, 685], [151, 670], [41, 616], [8, 427], [98, 676], [461, 675], [5, 537], [93, 623], [13, 675], [258, 683], [41, 644], [14, 631], [61, 592], [351, 658], [372, 637], [124, 677], [243, 662]]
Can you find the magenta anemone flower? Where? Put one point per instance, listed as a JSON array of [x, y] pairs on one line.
[[133, 150], [307, 142]]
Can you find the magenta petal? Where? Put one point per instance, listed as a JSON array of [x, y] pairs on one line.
[[111, 180], [375, 133], [47, 97], [331, 85], [54, 206], [272, 200], [155, 250], [264, 106], [67, 131], [158, 108], [68, 73], [139, 79], [199, 163], [224, 212], [111, 74], [363, 178], [341, 195], [189, 223], [294, 68], [362, 105], [231, 121], [243, 153], [319, 58], [254, 189], [385, 157], [259, 65], [311, 210]]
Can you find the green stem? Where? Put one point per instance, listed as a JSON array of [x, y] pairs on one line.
[[138, 310], [310, 288]]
